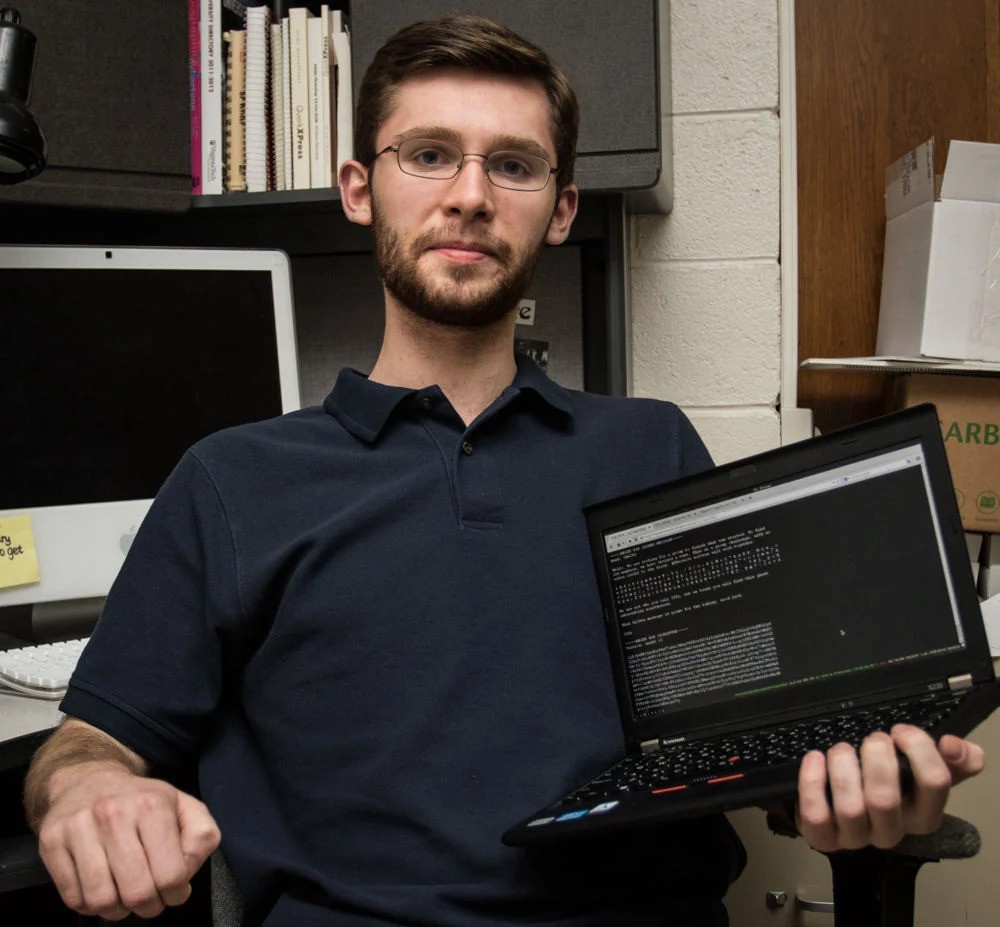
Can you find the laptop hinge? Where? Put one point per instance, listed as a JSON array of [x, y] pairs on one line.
[[960, 683], [650, 746]]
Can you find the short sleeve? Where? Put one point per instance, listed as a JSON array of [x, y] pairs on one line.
[[152, 674]]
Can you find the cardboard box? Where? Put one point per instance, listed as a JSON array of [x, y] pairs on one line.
[[941, 272], [969, 412]]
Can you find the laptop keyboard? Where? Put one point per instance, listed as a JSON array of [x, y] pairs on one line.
[[714, 760]]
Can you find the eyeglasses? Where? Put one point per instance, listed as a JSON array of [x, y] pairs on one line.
[[437, 160]]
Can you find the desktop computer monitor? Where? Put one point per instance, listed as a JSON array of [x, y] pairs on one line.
[[112, 362]]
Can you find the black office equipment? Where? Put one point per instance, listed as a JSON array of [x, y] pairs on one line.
[[23, 148], [783, 603]]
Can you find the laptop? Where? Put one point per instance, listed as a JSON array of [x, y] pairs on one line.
[[785, 602]]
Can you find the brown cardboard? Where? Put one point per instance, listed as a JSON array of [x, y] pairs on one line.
[[969, 412]]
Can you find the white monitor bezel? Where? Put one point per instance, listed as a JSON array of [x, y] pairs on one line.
[[81, 548]]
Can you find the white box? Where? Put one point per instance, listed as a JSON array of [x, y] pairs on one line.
[[941, 272], [990, 568]]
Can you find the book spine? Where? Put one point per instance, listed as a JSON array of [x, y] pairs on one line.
[[278, 111], [299, 70], [194, 91], [317, 118], [211, 98], [345, 96], [287, 98], [328, 99], [258, 21], [236, 62]]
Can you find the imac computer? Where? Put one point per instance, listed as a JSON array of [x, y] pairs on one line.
[[113, 361]]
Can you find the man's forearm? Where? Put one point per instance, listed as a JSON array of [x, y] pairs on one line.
[[74, 742]]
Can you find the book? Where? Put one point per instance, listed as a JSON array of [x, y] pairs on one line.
[[298, 43], [319, 98], [258, 40], [194, 91], [328, 77], [235, 175], [286, 99], [277, 110], [211, 96], [344, 106]]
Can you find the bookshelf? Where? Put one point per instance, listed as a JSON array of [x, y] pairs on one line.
[[268, 198], [111, 93]]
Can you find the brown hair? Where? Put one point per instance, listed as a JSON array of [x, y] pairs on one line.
[[475, 44]]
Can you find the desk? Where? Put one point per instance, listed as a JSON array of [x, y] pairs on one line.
[[24, 724]]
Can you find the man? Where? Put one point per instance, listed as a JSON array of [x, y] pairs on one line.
[[374, 624]]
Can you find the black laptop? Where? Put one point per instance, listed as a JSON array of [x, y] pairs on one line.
[[782, 603]]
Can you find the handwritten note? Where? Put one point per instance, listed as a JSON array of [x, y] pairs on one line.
[[18, 557]]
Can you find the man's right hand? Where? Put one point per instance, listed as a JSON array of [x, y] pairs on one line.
[[117, 843]]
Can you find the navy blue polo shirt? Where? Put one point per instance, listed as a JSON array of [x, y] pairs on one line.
[[377, 632]]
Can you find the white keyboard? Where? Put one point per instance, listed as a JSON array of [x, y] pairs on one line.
[[41, 671]]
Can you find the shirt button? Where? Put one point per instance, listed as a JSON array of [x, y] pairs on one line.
[[466, 448], [425, 402]]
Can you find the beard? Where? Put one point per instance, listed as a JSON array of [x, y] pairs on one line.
[[464, 303]]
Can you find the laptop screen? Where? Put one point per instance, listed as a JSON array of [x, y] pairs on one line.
[[837, 573]]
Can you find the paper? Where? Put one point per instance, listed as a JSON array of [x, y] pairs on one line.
[[18, 557], [991, 618], [899, 364]]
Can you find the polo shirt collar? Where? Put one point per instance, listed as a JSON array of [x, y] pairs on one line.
[[364, 407], [529, 376]]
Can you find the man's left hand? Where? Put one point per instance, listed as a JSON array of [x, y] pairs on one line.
[[865, 804]]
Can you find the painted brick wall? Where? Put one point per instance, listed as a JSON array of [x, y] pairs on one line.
[[706, 303]]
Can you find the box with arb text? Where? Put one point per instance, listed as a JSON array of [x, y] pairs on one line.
[[969, 412]]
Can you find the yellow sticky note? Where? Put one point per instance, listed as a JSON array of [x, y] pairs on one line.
[[18, 557]]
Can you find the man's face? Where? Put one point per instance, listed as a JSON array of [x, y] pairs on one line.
[[463, 251]]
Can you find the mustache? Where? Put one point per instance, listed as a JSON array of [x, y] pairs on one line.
[[491, 243]]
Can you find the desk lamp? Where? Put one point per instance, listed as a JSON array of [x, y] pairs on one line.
[[22, 144]]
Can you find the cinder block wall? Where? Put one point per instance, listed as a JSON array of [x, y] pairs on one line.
[[706, 302]]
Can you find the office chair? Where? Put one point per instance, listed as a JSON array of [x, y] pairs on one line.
[[876, 888], [27, 895], [20, 865], [227, 902]]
